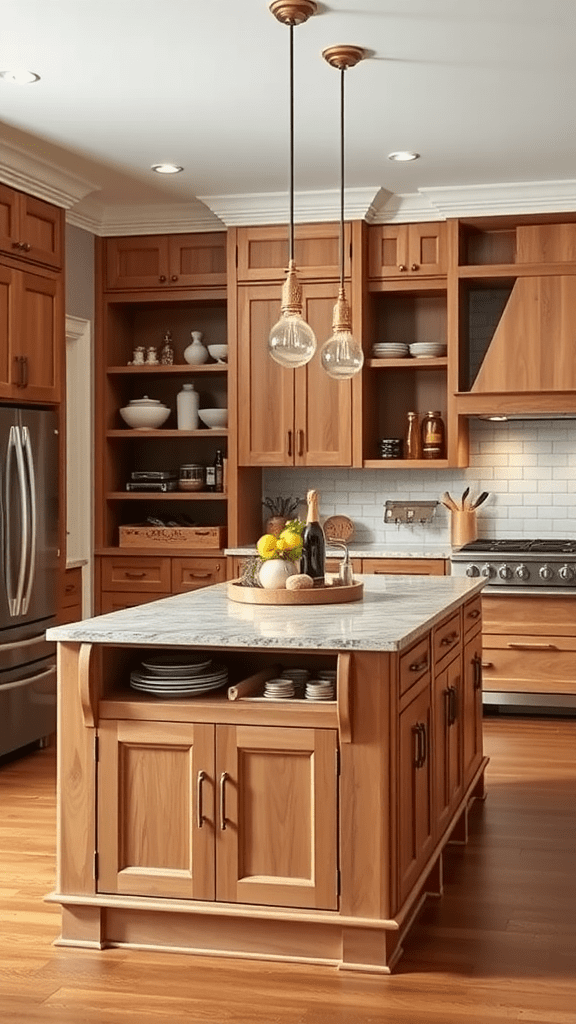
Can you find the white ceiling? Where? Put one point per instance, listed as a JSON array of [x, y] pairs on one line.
[[484, 90]]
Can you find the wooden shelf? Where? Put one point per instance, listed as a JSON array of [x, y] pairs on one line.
[[129, 434], [405, 464], [409, 363], [166, 496], [175, 369]]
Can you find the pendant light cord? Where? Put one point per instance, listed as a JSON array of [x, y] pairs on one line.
[[342, 177], [291, 239]]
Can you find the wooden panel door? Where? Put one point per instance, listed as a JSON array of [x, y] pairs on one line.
[[39, 337], [197, 260], [414, 790], [8, 286], [447, 741], [263, 252], [155, 809], [265, 389], [42, 228], [323, 406], [137, 262], [9, 220], [472, 705], [407, 251], [276, 834]]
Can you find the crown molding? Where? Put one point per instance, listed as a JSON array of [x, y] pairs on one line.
[[39, 177], [154, 219], [260, 208], [75, 327], [479, 201]]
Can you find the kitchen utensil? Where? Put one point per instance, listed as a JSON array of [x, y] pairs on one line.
[[464, 505], [449, 502], [480, 500]]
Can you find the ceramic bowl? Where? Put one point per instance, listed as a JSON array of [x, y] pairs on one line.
[[219, 352], [145, 413], [216, 419]]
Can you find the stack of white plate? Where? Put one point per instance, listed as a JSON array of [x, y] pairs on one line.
[[390, 350], [298, 676], [178, 675], [428, 349], [320, 689], [279, 689]]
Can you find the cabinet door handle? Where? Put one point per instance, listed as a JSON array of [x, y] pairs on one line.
[[199, 810], [300, 442], [199, 575], [223, 778], [162, 278], [174, 277], [24, 371], [20, 382], [424, 745], [131, 575], [533, 647], [26, 246], [448, 706], [477, 668], [414, 266], [417, 666], [474, 613], [290, 443], [452, 705], [449, 639], [487, 664], [417, 744], [401, 268]]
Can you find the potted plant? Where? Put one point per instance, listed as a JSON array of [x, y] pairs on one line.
[[280, 510]]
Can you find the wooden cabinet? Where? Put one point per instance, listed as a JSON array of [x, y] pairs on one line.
[[289, 417], [405, 566], [31, 229], [31, 335], [129, 579], [192, 573], [472, 704], [415, 792], [166, 261], [242, 814], [262, 253], [407, 251], [70, 595]]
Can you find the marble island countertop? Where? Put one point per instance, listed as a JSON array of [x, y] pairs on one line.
[[369, 551], [395, 611]]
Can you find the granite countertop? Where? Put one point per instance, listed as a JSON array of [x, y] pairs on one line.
[[370, 551], [395, 611]]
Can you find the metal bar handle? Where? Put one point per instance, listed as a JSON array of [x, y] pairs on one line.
[[417, 744], [300, 442], [424, 745], [29, 679], [223, 778], [477, 669], [290, 443], [15, 446], [448, 706], [199, 810], [449, 638], [416, 666], [31, 496], [19, 644], [532, 647]]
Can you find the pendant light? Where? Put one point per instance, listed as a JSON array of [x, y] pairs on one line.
[[292, 342], [341, 356]]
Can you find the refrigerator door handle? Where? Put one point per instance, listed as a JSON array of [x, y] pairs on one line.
[[22, 644], [19, 683], [30, 495], [14, 450]]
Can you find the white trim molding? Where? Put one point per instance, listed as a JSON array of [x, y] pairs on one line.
[[259, 208], [79, 452], [42, 178], [152, 219]]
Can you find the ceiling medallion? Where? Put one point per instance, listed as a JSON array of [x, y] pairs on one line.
[[293, 12]]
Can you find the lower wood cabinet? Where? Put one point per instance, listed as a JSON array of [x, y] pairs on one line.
[[472, 704], [230, 813], [416, 782], [448, 767], [70, 595], [128, 580]]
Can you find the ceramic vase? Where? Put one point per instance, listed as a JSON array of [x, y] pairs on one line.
[[274, 573], [196, 353]]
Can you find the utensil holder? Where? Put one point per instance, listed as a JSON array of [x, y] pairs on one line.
[[463, 527]]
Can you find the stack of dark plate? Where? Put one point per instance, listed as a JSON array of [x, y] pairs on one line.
[[391, 447], [179, 674]]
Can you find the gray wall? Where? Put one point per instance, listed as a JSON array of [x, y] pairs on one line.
[[79, 273]]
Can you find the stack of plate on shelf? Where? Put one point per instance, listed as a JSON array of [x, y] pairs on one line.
[[299, 678], [279, 689], [428, 349], [179, 675], [390, 350], [320, 689]]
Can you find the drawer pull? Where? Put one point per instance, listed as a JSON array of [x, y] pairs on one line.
[[419, 734], [69, 588], [532, 647], [223, 778], [199, 811], [417, 666], [487, 664], [474, 613], [199, 575], [449, 639], [131, 575], [477, 671]]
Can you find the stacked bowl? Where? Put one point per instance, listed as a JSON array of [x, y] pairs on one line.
[[428, 349], [389, 350]]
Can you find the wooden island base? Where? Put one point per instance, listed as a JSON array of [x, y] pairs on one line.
[[293, 831]]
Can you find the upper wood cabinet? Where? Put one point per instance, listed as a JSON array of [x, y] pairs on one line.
[[263, 252], [31, 229], [289, 417], [165, 261], [31, 335], [407, 251]]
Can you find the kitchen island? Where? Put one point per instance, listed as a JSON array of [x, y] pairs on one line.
[[289, 830]]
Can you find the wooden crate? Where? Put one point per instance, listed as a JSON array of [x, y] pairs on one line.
[[193, 537]]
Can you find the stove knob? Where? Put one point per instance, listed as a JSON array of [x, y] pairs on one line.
[[505, 572], [472, 570], [567, 572], [487, 570], [523, 572], [545, 573]]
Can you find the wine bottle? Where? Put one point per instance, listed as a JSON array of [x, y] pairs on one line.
[[313, 543]]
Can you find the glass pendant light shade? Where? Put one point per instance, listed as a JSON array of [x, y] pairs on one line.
[[291, 342], [341, 356]]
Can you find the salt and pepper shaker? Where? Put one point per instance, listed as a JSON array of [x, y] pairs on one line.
[[152, 355]]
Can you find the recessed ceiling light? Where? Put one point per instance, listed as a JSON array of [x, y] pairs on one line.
[[19, 77], [167, 168], [403, 155]]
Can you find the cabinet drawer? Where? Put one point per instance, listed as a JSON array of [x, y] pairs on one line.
[[414, 664], [192, 573], [149, 575], [404, 566], [111, 601], [446, 637], [472, 614], [333, 564], [71, 587], [518, 664]]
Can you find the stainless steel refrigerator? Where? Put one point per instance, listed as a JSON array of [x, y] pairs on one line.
[[28, 576]]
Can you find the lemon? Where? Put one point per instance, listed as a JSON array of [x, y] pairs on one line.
[[290, 540], [266, 546]]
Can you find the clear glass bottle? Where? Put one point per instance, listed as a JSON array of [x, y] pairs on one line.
[[412, 440], [433, 436], [219, 471]]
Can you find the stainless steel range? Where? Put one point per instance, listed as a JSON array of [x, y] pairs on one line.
[[513, 564], [529, 621]]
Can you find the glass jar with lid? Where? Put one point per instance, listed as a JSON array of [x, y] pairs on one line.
[[191, 477]]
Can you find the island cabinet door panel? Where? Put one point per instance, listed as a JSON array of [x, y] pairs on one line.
[[265, 389], [276, 816], [414, 790], [448, 740], [472, 705], [156, 809]]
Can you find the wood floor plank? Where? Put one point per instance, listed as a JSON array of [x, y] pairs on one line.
[[498, 947]]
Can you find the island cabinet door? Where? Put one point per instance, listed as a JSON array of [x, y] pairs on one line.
[[276, 816], [448, 740], [415, 788], [472, 705], [155, 809]]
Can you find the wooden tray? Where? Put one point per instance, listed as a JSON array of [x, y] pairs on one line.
[[318, 595]]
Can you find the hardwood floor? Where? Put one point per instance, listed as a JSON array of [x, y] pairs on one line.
[[500, 946]]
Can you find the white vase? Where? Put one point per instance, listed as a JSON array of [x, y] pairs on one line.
[[196, 354], [274, 573], [187, 408]]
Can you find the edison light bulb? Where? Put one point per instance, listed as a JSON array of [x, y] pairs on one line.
[[292, 342], [341, 356]]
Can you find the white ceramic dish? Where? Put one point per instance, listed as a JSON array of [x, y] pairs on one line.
[[145, 413], [216, 419], [219, 353]]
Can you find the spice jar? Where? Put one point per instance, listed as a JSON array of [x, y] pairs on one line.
[[167, 351], [412, 441], [433, 436]]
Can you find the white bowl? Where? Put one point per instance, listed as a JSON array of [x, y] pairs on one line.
[[219, 352], [216, 419], [145, 414]]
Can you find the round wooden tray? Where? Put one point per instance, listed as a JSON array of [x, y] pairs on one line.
[[318, 595]]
